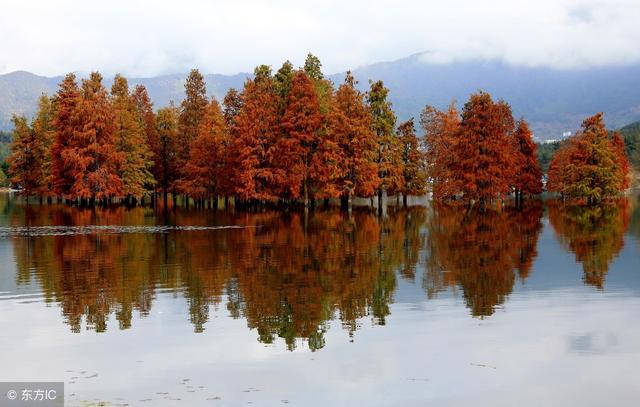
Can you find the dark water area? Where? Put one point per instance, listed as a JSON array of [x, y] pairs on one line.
[[428, 305]]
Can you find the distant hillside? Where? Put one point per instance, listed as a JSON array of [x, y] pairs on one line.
[[19, 91], [554, 101], [631, 134]]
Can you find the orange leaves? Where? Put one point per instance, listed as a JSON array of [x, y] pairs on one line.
[[439, 134], [204, 172], [85, 160], [624, 165], [67, 101], [92, 154], [482, 150], [591, 165], [292, 138], [300, 141], [350, 128], [481, 155], [527, 172], [192, 110], [256, 131]]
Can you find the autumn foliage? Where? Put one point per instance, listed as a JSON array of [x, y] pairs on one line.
[[592, 165], [481, 153], [292, 138]]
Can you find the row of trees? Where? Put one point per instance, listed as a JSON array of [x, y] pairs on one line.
[[286, 137]]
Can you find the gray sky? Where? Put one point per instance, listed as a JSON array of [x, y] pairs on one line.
[[144, 38]]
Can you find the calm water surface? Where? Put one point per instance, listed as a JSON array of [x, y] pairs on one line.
[[426, 306]]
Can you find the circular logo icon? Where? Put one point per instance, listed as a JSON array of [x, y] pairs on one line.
[[12, 394]]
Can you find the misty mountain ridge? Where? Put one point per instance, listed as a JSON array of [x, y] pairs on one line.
[[554, 101]]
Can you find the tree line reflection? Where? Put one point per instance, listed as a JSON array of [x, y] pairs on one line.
[[289, 275]]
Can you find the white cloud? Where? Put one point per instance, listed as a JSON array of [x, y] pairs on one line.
[[144, 38]]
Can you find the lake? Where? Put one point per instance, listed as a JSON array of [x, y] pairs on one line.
[[428, 305]]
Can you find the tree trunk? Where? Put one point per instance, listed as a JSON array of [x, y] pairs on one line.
[[404, 200], [344, 199], [306, 194]]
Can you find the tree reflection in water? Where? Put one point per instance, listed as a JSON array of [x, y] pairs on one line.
[[288, 275], [480, 251], [595, 234]]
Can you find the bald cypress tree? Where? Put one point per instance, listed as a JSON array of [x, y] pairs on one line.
[[324, 87], [26, 158], [166, 167], [204, 172], [255, 133], [44, 131], [131, 142], [147, 118], [282, 82], [482, 151], [527, 171], [92, 155], [66, 122], [232, 104], [297, 149], [414, 173], [192, 111], [389, 156], [349, 127]]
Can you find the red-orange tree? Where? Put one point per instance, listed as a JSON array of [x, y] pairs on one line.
[[67, 101], [527, 173], [204, 172], [482, 151], [623, 161], [192, 111], [297, 149], [350, 128], [91, 153], [440, 129], [255, 134]]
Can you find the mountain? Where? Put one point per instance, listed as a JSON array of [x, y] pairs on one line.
[[552, 100], [19, 91]]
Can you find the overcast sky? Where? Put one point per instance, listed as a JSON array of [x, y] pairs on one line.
[[144, 38]]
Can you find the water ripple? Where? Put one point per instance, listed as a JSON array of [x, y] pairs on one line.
[[28, 231]]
